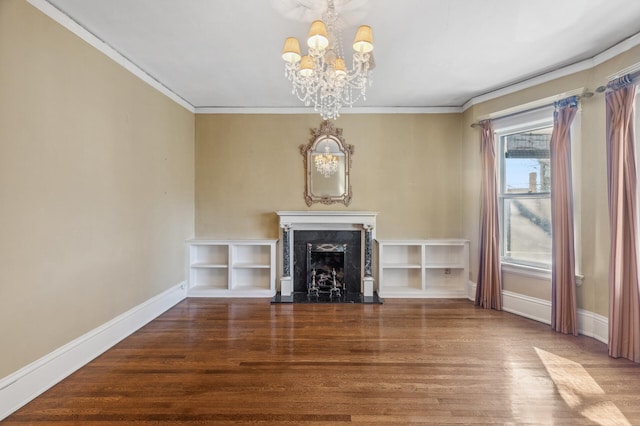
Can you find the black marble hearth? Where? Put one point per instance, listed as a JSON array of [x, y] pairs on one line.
[[353, 298]]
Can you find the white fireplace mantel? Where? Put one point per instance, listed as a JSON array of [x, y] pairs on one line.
[[291, 221], [330, 219]]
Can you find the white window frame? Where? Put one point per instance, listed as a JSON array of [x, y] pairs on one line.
[[530, 120]]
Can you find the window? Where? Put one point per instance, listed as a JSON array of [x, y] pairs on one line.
[[525, 196], [525, 188]]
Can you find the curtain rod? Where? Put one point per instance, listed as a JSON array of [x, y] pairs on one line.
[[614, 82], [631, 77], [584, 95]]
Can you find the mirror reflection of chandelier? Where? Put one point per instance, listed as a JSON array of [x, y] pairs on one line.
[[321, 77], [326, 163]]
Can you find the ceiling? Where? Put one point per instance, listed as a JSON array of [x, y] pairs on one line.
[[428, 53]]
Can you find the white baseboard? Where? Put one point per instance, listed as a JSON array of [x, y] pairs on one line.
[[20, 387], [593, 325], [527, 306], [589, 323]]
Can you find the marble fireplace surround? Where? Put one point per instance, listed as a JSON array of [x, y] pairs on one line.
[[292, 221]]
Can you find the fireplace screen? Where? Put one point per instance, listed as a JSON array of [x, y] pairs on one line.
[[326, 269]]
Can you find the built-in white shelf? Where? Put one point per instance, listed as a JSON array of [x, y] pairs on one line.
[[423, 268], [231, 268]]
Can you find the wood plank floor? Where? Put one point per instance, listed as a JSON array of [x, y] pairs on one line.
[[213, 361]]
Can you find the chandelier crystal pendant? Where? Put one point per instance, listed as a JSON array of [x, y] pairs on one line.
[[321, 77], [326, 163]]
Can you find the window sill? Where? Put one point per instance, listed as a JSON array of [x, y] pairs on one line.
[[533, 272], [527, 271]]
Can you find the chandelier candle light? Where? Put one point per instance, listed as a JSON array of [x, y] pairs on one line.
[[326, 163], [321, 77]]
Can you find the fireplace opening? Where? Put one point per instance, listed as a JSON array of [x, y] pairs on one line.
[[345, 259], [325, 269]]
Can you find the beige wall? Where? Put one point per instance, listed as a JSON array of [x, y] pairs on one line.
[[96, 187], [592, 186], [406, 167]]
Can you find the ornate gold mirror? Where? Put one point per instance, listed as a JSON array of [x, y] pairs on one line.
[[327, 163]]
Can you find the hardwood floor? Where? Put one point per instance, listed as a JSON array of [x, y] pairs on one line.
[[215, 361]]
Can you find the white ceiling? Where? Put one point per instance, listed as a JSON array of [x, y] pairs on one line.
[[429, 53]]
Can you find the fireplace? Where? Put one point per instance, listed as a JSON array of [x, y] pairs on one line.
[[348, 241], [326, 272], [352, 231]]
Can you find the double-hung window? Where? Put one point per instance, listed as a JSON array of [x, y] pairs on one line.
[[525, 188]]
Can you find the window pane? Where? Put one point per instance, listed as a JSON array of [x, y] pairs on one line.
[[526, 234], [527, 167]]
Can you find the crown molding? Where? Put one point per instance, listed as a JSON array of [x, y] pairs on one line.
[[616, 50], [534, 81], [66, 21], [584, 65], [345, 111]]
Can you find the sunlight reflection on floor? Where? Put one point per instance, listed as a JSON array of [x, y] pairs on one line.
[[580, 391]]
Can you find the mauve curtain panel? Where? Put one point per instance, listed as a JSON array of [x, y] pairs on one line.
[[563, 278], [624, 299], [489, 282]]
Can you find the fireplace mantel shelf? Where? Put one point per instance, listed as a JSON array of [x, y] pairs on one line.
[[293, 218]]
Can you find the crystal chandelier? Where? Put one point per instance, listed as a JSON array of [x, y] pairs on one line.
[[326, 163], [321, 76]]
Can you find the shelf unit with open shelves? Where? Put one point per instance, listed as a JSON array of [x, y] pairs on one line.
[[423, 268], [231, 268]]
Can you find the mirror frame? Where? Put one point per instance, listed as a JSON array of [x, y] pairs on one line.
[[327, 130]]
